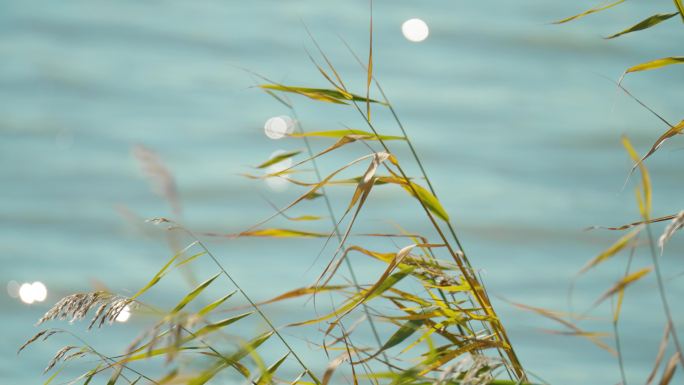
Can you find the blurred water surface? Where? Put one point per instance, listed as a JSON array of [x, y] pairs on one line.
[[513, 117]]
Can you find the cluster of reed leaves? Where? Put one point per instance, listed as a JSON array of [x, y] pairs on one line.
[[446, 332], [632, 242]]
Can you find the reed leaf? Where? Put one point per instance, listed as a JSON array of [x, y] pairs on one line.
[[282, 233], [655, 64], [337, 96], [618, 246], [675, 130], [279, 158], [589, 12], [623, 283], [646, 23], [340, 133], [193, 294], [212, 306]]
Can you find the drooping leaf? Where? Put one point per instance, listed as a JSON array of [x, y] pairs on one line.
[[644, 24], [589, 12], [337, 96], [302, 218], [624, 282], [618, 246], [360, 297], [340, 133], [675, 130], [558, 317], [304, 291], [422, 194], [282, 233], [278, 158], [645, 197], [655, 64]]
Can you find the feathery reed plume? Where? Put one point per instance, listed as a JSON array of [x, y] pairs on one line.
[[76, 306]]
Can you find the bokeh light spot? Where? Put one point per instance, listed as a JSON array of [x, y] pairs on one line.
[[415, 30]]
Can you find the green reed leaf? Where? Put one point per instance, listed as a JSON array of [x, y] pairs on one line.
[[209, 308], [644, 24], [589, 12], [193, 294], [655, 64], [278, 158], [340, 133], [337, 96]]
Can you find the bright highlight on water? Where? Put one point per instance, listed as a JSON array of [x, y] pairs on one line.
[[279, 126], [415, 30], [29, 293]]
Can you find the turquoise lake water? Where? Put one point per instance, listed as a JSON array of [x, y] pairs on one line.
[[514, 118]]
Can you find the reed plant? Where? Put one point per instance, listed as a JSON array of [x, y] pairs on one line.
[[427, 311], [429, 314]]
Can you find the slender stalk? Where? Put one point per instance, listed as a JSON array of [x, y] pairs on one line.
[[616, 332], [663, 296]]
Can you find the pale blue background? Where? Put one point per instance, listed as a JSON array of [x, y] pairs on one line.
[[512, 116]]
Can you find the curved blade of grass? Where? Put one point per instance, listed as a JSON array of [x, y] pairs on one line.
[[645, 203], [279, 158], [589, 12], [321, 94], [623, 283], [358, 298], [282, 233], [303, 218], [644, 24], [655, 64], [611, 251], [193, 294], [340, 133], [557, 317], [675, 130], [304, 291], [422, 194]]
